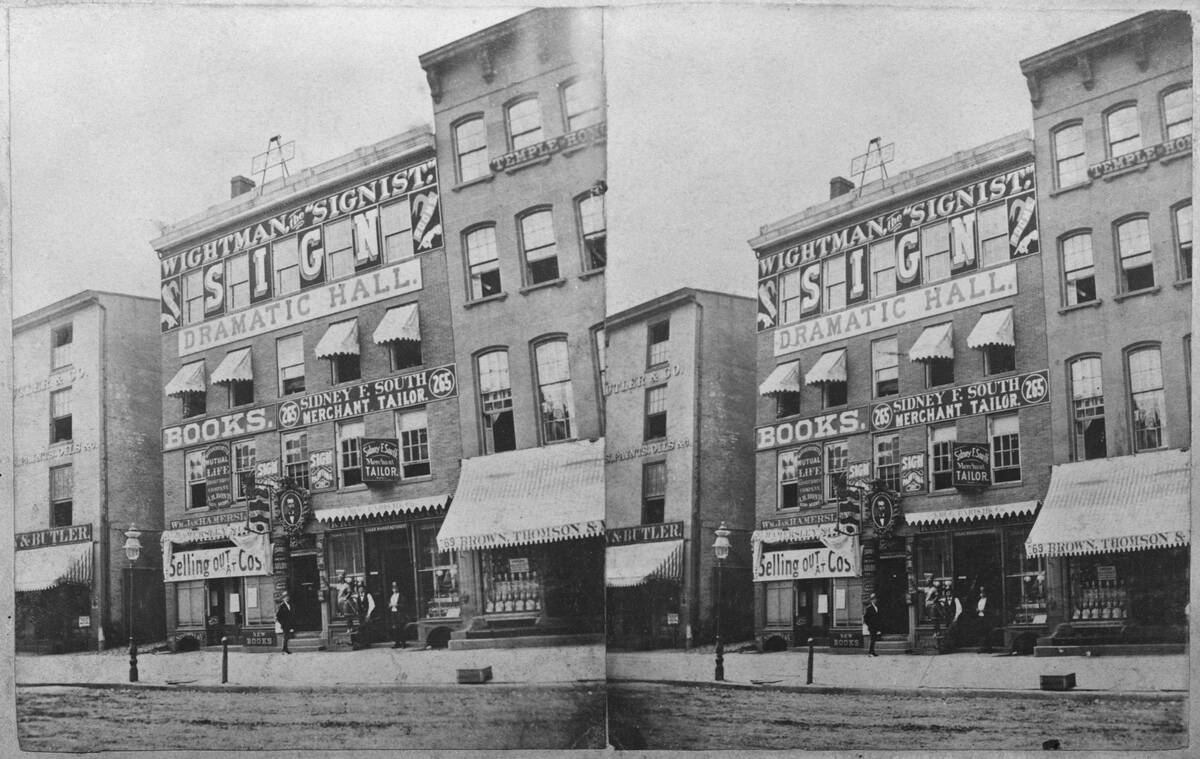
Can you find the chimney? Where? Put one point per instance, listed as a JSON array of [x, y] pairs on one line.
[[240, 185], [839, 186]]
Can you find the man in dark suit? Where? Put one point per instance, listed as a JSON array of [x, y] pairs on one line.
[[871, 621], [283, 617]]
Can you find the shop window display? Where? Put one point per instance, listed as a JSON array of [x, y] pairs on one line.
[[1025, 581], [1148, 588], [513, 582], [437, 573]]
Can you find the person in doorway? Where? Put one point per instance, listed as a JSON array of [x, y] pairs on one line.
[[350, 609], [365, 604], [871, 623], [396, 616], [342, 587], [983, 618], [283, 618]]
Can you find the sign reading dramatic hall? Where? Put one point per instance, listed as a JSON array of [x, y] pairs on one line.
[[986, 397]]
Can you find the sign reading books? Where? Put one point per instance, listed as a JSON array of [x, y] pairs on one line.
[[217, 473], [380, 460], [971, 465]]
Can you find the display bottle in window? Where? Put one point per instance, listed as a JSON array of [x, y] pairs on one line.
[[506, 583], [519, 584], [1108, 600], [528, 583], [490, 606], [1121, 599]]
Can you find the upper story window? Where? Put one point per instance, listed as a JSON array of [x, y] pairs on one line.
[[789, 296], [470, 147], [654, 492], [339, 249], [658, 343], [887, 460], [834, 281], [656, 412], [244, 458], [1079, 271], [412, 428], [62, 496], [581, 104], [395, 221], [592, 226], [295, 457], [883, 269], [992, 223], [935, 246], [524, 123], [193, 297], [1070, 160], [495, 402], [538, 245], [837, 461], [1133, 247], [285, 258], [1183, 238], [1006, 447], [349, 440], [790, 478], [483, 262], [941, 456], [60, 416], [1147, 402], [555, 399], [237, 282], [885, 366], [1177, 112], [290, 358], [1124, 131], [195, 481], [61, 339], [1089, 440]]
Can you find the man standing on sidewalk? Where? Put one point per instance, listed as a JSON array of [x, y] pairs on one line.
[[871, 623], [283, 618], [396, 614]]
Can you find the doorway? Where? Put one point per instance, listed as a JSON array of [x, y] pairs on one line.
[[812, 608], [388, 560], [977, 558], [306, 593], [891, 586]]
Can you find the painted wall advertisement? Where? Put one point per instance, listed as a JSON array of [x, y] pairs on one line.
[[810, 428], [249, 556], [217, 473], [380, 460], [808, 563], [387, 394], [986, 397], [800, 472], [971, 465]]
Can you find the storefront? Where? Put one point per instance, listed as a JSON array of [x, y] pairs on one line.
[[643, 570], [53, 583], [528, 527]]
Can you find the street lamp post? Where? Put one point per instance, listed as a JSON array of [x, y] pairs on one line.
[[721, 550], [133, 549]]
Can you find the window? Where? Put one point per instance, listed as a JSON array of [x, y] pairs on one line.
[[1070, 162], [241, 393], [495, 402], [194, 404], [935, 244], [1006, 448], [483, 263], [939, 371], [883, 268], [656, 412], [286, 260], [191, 599], [470, 145], [941, 456], [837, 461], [998, 359], [524, 124], [396, 221], [61, 339], [541, 252], [237, 282], [295, 457], [789, 296], [243, 469], [1146, 398], [1183, 238], [789, 480], [885, 366], [437, 575], [345, 560], [654, 492], [196, 496], [60, 415], [1124, 132], [62, 494], [290, 354], [787, 404], [993, 234], [1025, 579], [581, 104], [834, 280], [1079, 272], [405, 354], [412, 428], [349, 442], [346, 367], [193, 297], [592, 225], [1177, 112], [1133, 246], [556, 402], [1087, 409], [658, 338], [339, 250], [887, 461]]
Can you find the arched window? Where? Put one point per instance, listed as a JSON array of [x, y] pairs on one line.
[[524, 123], [556, 402], [1182, 217], [1088, 435], [1124, 130], [1147, 404], [483, 262], [581, 104], [470, 148], [593, 228], [1079, 269], [1070, 161], [1177, 112], [495, 401], [1136, 257], [539, 246]]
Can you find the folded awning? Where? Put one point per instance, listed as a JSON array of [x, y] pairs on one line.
[[235, 367], [189, 379], [382, 509], [993, 328], [400, 323], [830, 367], [784, 378], [341, 339], [206, 533], [534, 495], [638, 563], [936, 342], [807, 533], [972, 513], [1127, 503], [42, 568]]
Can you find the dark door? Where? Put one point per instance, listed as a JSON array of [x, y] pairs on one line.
[[810, 620], [306, 593], [977, 558], [891, 586], [389, 559]]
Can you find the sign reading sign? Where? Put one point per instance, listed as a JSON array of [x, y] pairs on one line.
[[237, 424], [320, 470], [987, 397], [219, 562], [971, 465], [387, 394], [1138, 157], [580, 137], [56, 536], [644, 533], [912, 473], [380, 459], [805, 564], [800, 471], [810, 428], [217, 471]]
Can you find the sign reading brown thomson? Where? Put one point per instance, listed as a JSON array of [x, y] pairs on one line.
[[578, 138], [237, 424], [380, 460], [987, 397], [56, 536], [387, 394], [971, 465], [809, 428], [644, 533]]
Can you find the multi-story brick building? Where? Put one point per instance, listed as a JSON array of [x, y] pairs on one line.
[[679, 405], [310, 435], [902, 361], [519, 115], [87, 469], [1112, 116]]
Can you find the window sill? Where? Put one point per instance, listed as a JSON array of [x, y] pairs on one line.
[[1121, 298], [542, 285], [1004, 485], [56, 443], [472, 182], [488, 299], [591, 273], [1080, 306], [528, 165], [1127, 170], [1179, 285], [1071, 188], [360, 487]]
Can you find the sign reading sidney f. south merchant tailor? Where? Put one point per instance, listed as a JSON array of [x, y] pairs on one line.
[[987, 397], [387, 394]]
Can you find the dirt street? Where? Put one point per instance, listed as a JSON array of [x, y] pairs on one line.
[[57, 718], [655, 716]]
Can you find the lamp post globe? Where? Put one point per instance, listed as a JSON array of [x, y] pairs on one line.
[[133, 549], [721, 551]]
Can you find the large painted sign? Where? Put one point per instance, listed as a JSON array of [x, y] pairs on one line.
[[217, 473], [380, 460], [649, 379], [645, 533], [387, 394], [578, 138], [56, 536], [237, 424], [809, 428], [971, 465], [252, 558], [805, 564], [1139, 157], [986, 397]]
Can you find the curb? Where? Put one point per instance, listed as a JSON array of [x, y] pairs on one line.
[[236, 688]]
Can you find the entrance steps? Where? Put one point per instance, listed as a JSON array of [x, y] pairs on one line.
[[305, 640], [890, 645]]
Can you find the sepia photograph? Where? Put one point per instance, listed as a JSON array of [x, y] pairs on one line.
[[674, 377]]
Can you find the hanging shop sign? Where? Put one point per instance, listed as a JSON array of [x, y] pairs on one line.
[[237, 424], [387, 394], [258, 510], [320, 470], [971, 465], [884, 509], [648, 449], [265, 471], [380, 460], [217, 474], [1140, 157], [294, 510], [645, 533], [987, 397], [656, 377], [801, 469], [805, 564], [250, 558], [809, 428], [56, 536], [912, 473], [858, 476], [578, 138]]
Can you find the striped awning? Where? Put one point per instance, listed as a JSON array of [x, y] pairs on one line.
[[43, 568], [830, 367], [936, 342], [235, 367], [972, 514], [340, 339], [382, 509], [189, 379], [784, 378], [638, 563], [399, 323], [993, 328]]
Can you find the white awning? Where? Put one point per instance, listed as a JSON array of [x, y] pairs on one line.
[[830, 367], [936, 342], [42, 568], [382, 509], [189, 379], [400, 323], [638, 563], [972, 514], [341, 339], [784, 378], [235, 367], [1127, 503], [533, 495], [993, 328]]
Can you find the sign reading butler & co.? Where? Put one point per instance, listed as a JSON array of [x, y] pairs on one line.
[[56, 536], [971, 465], [987, 397], [644, 533], [387, 394]]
